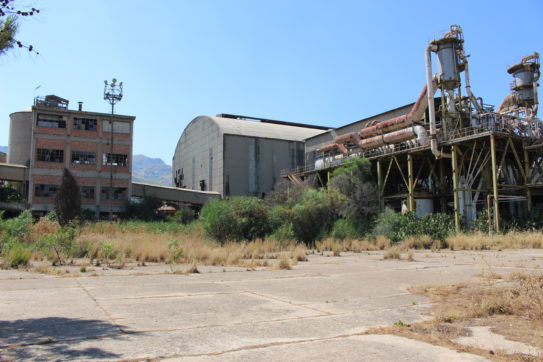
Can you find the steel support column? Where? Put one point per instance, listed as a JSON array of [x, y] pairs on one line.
[[527, 179], [495, 184], [455, 175], [380, 186], [410, 183]]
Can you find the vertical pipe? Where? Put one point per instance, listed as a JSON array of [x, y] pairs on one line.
[[380, 185], [527, 179], [431, 107], [411, 200], [455, 188], [495, 183]]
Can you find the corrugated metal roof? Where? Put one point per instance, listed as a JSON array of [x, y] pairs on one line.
[[263, 130]]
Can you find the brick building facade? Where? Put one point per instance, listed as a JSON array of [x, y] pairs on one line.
[[49, 137]]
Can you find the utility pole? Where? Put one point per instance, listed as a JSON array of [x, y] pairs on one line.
[[113, 93]]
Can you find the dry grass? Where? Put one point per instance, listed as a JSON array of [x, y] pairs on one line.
[[511, 240], [512, 307], [354, 245], [283, 263], [137, 244], [392, 253]]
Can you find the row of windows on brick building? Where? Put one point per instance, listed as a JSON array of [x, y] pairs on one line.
[[81, 157]]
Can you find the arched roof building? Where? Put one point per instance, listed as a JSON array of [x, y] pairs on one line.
[[237, 155]]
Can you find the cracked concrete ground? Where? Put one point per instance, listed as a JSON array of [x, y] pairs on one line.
[[317, 311]]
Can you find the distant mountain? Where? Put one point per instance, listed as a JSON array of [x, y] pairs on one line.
[[4, 149], [151, 170]]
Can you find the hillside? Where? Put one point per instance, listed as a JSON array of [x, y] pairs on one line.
[[151, 170]]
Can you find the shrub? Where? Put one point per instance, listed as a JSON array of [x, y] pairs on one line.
[[238, 218], [15, 230], [397, 227], [394, 226], [313, 217], [438, 226], [18, 255], [144, 209], [59, 245], [344, 229], [184, 215]]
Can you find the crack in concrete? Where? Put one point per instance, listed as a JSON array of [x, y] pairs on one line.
[[104, 310], [287, 302], [257, 346]]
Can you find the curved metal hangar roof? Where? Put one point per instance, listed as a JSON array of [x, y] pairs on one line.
[[263, 128]]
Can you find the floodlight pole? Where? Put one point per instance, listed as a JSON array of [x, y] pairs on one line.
[[113, 93]]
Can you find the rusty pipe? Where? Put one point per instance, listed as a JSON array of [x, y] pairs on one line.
[[331, 146], [406, 120], [405, 134], [352, 138]]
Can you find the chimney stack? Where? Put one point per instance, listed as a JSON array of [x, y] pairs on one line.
[[80, 106]]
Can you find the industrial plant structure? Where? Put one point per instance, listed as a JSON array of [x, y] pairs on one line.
[[49, 137], [450, 153], [238, 155]]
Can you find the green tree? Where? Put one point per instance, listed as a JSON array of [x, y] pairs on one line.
[[354, 181], [145, 210], [68, 199], [9, 24]]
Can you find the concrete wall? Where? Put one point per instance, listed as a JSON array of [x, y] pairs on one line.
[[252, 165], [199, 155], [20, 138]]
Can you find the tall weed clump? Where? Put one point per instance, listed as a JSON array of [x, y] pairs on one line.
[[15, 235], [238, 218]]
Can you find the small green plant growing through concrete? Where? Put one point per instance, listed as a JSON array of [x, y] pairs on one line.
[[400, 323], [107, 251], [176, 251]]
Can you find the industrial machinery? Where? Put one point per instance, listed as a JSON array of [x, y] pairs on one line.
[[493, 153]]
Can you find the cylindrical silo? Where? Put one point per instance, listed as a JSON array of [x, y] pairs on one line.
[[20, 137], [447, 65]]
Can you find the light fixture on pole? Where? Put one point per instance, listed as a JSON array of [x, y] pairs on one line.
[[113, 93]]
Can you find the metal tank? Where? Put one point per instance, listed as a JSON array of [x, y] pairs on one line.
[[20, 138], [447, 62], [525, 74]]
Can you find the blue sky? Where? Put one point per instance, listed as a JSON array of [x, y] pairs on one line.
[[320, 62]]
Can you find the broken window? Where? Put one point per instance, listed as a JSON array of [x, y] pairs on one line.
[[83, 158], [43, 190], [85, 124], [51, 121], [114, 159], [119, 193], [47, 155], [87, 192]]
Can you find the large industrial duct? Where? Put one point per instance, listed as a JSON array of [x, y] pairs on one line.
[[404, 123]]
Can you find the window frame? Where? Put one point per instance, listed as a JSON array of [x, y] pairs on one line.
[[49, 155], [85, 158], [82, 124]]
